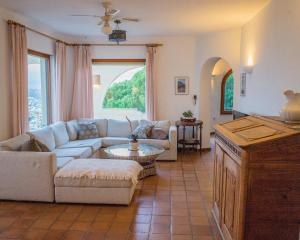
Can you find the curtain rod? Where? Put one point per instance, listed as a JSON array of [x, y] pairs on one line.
[[89, 44]]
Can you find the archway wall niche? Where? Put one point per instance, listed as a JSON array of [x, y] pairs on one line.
[[210, 49]]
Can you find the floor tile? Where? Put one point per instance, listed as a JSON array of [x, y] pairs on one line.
[[175, 205]]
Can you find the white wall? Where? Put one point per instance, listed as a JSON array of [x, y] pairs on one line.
[[210, 48], [272, 39], [175, 58]]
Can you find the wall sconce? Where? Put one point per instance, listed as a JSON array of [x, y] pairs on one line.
[[96, 80], [248, 69], [195, 99]]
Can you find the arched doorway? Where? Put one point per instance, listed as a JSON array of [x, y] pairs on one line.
[[211, 99]]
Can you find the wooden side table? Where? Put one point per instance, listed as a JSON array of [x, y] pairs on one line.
[[196, 136]]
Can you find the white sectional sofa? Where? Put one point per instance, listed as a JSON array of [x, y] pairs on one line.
[[29, 176]]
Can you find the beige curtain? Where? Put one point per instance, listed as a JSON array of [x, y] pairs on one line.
[[61, 112], [82, 101], [19, 78], [150, 82]]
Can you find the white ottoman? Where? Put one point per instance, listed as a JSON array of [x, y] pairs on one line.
[[97, 181]]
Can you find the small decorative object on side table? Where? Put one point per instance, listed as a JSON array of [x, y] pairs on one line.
[[196, 134], [145, 155], [188, 117]]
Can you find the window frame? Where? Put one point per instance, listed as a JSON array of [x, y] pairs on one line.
[[225, 78], [48, 79], [124, 60], [113, 60]]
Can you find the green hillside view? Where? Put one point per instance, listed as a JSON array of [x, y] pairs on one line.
[[127, 94], [228, 103]]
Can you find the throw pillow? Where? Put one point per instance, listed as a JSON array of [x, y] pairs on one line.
[[34, 145], [29, 146], [159, 133], [87, 130], [45, 136], [143, 130]]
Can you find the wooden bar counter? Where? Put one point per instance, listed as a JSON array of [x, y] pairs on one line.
[[257, 179]]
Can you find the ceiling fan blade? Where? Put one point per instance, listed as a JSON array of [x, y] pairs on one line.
[[130, 19], [83, 15], [112, 12]]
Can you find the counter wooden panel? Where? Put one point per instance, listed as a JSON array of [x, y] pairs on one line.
[[257, 180]]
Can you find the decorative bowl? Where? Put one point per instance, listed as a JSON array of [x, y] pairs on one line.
[[188, 119]]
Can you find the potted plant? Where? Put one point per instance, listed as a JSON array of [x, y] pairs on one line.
[[188, 116], [133, 143]]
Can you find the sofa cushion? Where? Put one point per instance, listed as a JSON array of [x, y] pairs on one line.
[[143, 130], [95, 144], [62, 161], [102, 127], [164, 124], [87, 130], [100, 123], [98, 173], [162, 143], [110, 141], [117, 128], [158, 133], [72, 129], [44, 136], [15, 144], [60, 133], [83, 152]]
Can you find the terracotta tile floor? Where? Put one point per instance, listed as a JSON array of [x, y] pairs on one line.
[[175, 205]]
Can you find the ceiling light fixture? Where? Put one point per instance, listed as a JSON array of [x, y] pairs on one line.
[[117, 34], [106, 29]]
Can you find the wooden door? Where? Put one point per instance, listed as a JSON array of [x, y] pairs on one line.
[[230, 198], [217, 187]]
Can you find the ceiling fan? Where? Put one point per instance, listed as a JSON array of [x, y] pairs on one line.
[[110, 15]]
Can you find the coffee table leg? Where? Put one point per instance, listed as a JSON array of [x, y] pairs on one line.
[[149, 170]]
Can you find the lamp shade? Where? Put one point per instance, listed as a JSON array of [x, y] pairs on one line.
[[117, 36], [96, 80], [106, 29]]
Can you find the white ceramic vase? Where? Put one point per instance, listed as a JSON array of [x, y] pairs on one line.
[[291, 111], [133, 146]]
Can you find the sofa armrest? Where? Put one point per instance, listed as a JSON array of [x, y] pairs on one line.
[[173, 134], [27, 176], [173, 143]]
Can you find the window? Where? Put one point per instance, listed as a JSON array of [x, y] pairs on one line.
[[38, 89], [227, 93], [119, 88]]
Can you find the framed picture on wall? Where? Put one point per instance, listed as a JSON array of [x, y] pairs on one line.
[[182, 85], [243, 84]]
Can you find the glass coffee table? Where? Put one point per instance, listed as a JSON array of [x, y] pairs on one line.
[[146, 156]]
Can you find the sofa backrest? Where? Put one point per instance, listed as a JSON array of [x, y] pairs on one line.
[[118, 128], [60, 133], [102, 127]]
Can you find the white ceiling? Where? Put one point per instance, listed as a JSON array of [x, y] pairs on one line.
[[158, 17]]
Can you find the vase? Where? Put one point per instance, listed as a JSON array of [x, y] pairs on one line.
[[291, 111], [133, 145]]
